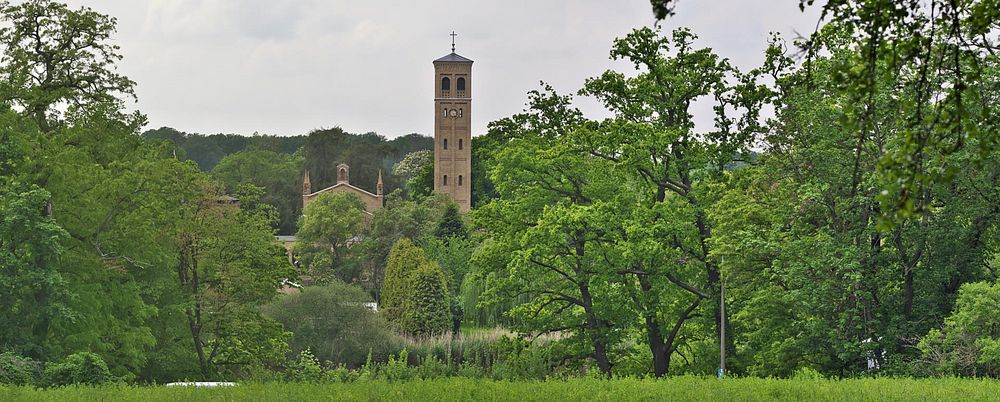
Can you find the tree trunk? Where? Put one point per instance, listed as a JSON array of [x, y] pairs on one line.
[[908, 294], [596, 328], [654, 336], [672, 337], [187, 273], [194, 320]]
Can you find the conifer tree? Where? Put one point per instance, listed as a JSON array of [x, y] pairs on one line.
[[404, 259], [451, 224], [427, 308], [415, 292]]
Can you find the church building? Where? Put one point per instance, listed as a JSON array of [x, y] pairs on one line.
[[372, 202]]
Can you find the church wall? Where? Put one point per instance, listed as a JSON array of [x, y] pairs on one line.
[[372, 202]]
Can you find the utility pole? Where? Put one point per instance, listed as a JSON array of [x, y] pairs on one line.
[[722, 326]]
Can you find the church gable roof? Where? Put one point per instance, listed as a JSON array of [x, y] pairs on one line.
[[453, 58], [345, 186]]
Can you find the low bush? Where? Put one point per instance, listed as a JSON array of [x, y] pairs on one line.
[[306, 369], [332, 322], [78, 368], [18, 370], [969, 342]]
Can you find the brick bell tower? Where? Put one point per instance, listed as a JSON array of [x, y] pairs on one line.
[[453, 127]]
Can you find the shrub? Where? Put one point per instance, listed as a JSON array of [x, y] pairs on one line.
[[78, 368], [404, 259], [341, 374], [427, 310], [306, 369], [518, 359], [415, 291], [969, 342], [808, 373], [18, 370], [333, 323], [398, 369], [433, 367]]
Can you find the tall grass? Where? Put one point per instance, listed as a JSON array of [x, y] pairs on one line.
[[465, 389], [483, 346]]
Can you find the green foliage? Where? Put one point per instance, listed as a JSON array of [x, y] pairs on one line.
[[32, 291], [279, 174], [404, 259], [485, 315], [451, 225], [817, 281], [415, 291], [19, 370], [417, 171], [397, 368], [367, 154], [859, 218], [78, 368], [306, 369], [400, 218], [969, 342], [454, 255], [209, 150], [545, 254], [518, 359], [483, 149], [57, 58], [328, 228], [935, 54], [333, 322], [427, 307]]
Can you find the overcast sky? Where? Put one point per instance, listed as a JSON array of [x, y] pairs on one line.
[[287, 67]]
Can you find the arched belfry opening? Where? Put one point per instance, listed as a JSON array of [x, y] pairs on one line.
[[460, 84], [445, 84], [343, 173]]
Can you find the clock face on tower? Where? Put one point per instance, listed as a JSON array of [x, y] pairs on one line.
[[453, 113]]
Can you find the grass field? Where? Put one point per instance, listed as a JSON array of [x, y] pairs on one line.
[[459, 389]]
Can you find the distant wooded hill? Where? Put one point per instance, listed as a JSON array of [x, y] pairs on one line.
[[276, 163]]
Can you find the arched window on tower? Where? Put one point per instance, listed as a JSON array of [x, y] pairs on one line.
[[445, 143], [461, 84], [459, 180], [445, 84], [459, 144], [446, 180]]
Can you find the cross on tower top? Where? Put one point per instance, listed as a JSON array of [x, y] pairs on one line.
[[453, 35]]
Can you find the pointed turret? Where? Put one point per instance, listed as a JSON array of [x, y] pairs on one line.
[[306, 186], [378, 186]]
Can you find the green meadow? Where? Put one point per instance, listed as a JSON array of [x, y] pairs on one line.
[[462, 389]]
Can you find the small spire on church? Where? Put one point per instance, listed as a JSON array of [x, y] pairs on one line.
[[306, 186], [453, 35], [378, 186]]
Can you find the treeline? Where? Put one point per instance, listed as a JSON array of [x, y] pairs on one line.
[[277, 163]]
